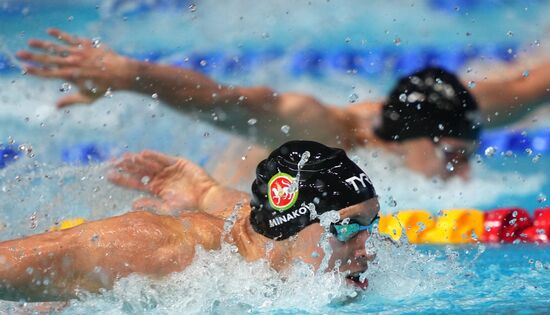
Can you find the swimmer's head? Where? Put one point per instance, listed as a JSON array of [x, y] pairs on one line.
[[431, 103], [298, 182]]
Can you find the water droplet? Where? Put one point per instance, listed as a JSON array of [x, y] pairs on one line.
[[94, 238], [192, 7], [525, 73], [490, 151], [33, 221], [303, 159], [145, 180], [285, 129], [203, 63], [155, 96], [403, 97], [391, 202], [70, 18], [65, 87], [252, 121], [206, 134], [509, 33], [541, 198], [471, 84], [109, 93], [397, 41], [29, 270], [536, 158], [440, 126], [528, 151], [353, 97], [26, 148], [96, 42], [450, 167]]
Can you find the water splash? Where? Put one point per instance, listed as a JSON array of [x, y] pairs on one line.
[[296, 182], [220, 282]]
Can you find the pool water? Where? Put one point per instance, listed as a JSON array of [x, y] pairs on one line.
[[47, 183]]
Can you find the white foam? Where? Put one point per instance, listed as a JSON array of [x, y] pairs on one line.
[[220, 282]]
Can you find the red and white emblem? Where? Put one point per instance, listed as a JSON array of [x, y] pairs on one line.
[[280, 196]]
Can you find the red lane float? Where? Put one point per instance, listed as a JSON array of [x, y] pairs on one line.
[[540, 231], [505, 225]]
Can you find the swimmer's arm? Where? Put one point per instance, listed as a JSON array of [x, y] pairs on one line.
[[221, 201], [98, 70], [192, 92], [513, 96], [57, 265]]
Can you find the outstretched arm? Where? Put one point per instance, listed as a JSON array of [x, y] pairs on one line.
[[513, 96], [177, 184], [57, 265], [95, 70]]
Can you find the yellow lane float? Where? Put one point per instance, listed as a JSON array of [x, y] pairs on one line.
[[414, 222], [67, 224], [455, 226]]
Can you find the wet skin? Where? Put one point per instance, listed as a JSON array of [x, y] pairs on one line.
[[95, 254]]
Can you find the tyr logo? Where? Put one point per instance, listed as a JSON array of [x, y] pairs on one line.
[[362, 179]]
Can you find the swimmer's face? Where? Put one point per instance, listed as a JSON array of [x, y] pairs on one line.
[[446, 158], [351, 255]]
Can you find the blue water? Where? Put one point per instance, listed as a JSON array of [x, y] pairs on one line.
[[50, 182]]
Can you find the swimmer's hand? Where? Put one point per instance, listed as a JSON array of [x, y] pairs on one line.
[[94, 70], [177, 183]]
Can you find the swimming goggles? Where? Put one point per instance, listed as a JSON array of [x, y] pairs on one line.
[[345, 232]]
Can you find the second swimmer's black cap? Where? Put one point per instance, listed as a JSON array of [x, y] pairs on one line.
[[301, 180], [429, 103]]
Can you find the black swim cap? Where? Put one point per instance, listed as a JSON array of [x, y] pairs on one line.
[[328, 179], [429, 103]]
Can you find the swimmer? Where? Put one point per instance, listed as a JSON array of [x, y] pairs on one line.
[[430, 118], [280, 222]]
